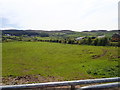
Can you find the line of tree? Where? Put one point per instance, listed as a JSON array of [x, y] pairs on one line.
[[87, 41]]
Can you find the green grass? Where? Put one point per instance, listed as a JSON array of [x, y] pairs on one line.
[[91, 34], [60, 60]]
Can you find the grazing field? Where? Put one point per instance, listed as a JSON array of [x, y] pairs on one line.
[[62, 61]]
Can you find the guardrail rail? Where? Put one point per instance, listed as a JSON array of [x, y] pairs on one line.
[[68, 83]]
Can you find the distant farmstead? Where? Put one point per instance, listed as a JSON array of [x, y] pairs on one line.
[[116, 37], [7, 34], [80, 38], [101, 36]]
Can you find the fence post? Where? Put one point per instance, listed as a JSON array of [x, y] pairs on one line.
[[72, 87]]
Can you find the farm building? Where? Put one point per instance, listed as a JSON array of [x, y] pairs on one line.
[[7, 34], [101, 36], [80, 38], [116, 37]]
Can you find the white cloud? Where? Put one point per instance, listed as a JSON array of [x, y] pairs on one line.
[[60, 14]]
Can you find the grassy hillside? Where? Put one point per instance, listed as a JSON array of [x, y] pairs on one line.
[[60, 60], [90, 34]]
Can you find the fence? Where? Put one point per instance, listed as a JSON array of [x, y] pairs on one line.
[[68, 83]]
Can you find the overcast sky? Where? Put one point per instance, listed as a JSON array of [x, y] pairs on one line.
[[77, 15]]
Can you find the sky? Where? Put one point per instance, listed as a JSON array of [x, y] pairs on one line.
[[76, 15]]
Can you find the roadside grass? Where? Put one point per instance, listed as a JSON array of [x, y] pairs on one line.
[[70, 62]]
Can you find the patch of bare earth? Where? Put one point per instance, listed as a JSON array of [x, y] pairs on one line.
[[27, 79], [12, 80], [98, 56]]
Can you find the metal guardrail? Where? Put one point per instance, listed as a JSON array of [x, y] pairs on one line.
[[64, 83], [100, 86]]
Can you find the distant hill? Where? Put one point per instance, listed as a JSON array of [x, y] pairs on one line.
[[65, 33]]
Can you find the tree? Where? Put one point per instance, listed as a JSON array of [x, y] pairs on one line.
[[103, 42], [89, 41], [95, 42], [44, 34]]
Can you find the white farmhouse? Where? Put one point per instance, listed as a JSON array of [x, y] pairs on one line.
[[101, 36], [79, 38]]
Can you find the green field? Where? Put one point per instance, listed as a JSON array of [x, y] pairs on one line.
[[59, 60]]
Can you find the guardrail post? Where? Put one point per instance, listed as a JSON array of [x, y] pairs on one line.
[[72, 87]]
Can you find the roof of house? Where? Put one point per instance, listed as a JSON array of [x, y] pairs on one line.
[[79, 38], [101, 36]]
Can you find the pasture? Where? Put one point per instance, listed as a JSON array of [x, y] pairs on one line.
[[64, 61]]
